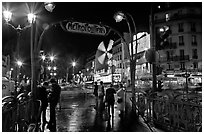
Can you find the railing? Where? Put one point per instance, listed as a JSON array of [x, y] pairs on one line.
[[174, 58], [170, 113], [171, 45], [179, 17], [17, 113]]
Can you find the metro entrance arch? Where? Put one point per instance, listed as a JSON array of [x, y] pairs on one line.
[[82, 28], [74, 27]]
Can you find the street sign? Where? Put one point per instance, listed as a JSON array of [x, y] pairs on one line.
[[86, 28]]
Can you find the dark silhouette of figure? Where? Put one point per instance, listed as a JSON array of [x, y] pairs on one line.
[[121, 99], [44, 100], [54, 97], [101, 93], [95, 89], [109, 99]]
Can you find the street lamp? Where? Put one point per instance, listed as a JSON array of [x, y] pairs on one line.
[[7, 15], [54, 68], [19, 63], [52, 58], [49, 68], [43, 57], [119, 16], [73, 65]]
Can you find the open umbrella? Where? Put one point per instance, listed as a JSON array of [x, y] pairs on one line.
[[103, 54]]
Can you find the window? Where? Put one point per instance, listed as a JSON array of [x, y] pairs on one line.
[[181, 40], [194, 42], [180, 27], [195, 65], [167, 17], [169, 66], [193, 27], [182, 65], [170, 40], [181, 54], [194, 54]]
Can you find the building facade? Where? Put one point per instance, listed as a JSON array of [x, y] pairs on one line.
[[183, 49]]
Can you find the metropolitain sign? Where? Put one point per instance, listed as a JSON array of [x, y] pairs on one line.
[[86, 28]]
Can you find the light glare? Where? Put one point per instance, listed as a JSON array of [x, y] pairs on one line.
[[19, 63], [7, 15], [31, 18], [119, 16], [73, 64]]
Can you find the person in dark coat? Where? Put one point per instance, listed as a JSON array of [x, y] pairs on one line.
[[43, 97], [53, 97], [109, 99], [95, 89]]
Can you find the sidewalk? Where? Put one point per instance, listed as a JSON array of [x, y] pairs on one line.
[[128, 124], [135, 121]]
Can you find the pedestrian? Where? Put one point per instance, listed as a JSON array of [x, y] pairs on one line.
[[95, 89], [53, 97], [121, 99], [109, 99], [101, 93], [44, 101]]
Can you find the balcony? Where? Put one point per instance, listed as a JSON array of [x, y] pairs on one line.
[[195, 57], [194, 43], [180, 30], [181, 58], [181, 43], [174, 17], [174, 58], [166, 45]]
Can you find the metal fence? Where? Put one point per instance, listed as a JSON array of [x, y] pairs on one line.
[[171, 113], [17, 113]]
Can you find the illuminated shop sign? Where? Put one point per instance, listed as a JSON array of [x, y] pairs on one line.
[[79, 27]]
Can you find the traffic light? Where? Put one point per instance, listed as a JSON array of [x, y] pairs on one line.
[[162, 33]]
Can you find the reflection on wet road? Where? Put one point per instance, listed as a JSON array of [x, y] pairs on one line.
[[77, 113]]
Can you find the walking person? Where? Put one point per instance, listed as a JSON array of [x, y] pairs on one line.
[[110, 100], [54, 97], [96, 94], [101, 93], [95, 89], [43, 98], [121, 99]]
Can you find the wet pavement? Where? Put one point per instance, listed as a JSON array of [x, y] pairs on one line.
[[79, 113]]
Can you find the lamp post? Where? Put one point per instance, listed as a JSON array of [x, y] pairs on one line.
[[19, 63], [31, 20], [43, 64], [73, 65], [7, 17], [119, 16]]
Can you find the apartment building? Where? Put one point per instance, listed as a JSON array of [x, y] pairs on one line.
[[183, 49]]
